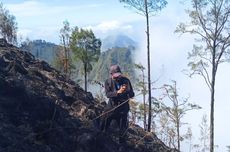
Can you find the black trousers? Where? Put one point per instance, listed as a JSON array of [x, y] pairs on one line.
[[121, 117]]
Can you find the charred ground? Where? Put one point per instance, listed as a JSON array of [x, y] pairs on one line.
[[42, 111]]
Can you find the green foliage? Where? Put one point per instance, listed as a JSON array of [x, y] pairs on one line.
[[8, 25], [86, 48], [54, 55]]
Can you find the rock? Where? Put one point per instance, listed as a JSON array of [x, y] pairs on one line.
[[3, 43]]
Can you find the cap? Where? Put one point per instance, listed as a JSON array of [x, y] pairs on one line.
[[115, 71]]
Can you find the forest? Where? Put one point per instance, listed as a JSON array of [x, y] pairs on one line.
[[159, 106]]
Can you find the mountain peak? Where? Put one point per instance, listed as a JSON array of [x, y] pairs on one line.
[[118, 40]]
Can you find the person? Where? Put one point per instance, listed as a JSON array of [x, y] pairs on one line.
[[119, 90]]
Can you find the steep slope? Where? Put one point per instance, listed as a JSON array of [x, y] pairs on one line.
[[41, 111]]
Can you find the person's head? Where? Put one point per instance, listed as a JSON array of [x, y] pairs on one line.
[[115, 71]]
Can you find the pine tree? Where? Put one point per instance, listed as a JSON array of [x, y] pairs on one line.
[[86, 48], [210, 20], [147, 8]]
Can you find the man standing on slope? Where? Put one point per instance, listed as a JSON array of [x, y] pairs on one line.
[[119, 90]]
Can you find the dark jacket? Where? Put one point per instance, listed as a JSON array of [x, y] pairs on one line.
[[111, 87]]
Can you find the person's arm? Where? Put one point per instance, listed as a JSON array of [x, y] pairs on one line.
[[109, 91], [130, 90]]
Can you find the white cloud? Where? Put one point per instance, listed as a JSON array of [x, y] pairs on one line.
[[33, 8], [106, 26], [110, 27], [170, 50], [44, 33], [24, 32], [27, 8]]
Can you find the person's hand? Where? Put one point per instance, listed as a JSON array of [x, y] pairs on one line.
[[122, 89]]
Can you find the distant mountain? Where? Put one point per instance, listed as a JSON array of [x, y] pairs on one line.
[[122, 56], [119, 51], [117, 41], [41, 49], [47, 51]]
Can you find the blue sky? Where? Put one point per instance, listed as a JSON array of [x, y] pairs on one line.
[[42, 19]]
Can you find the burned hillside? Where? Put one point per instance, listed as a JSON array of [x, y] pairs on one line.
[[42, 111]]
